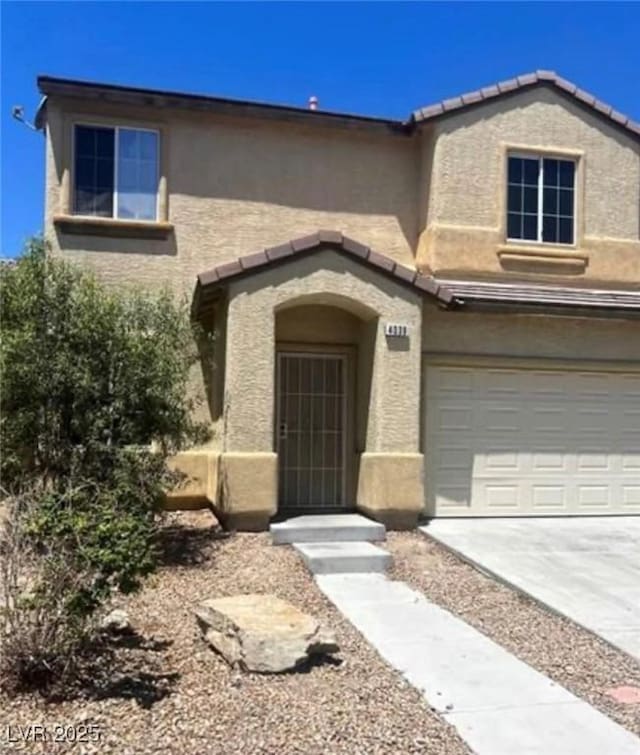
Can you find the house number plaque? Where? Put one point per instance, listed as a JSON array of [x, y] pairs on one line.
[[396, 330]]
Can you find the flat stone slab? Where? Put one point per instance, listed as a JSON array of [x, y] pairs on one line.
[[498, 704], [584, 568], [343, 557], [332, 528], [262, 632]]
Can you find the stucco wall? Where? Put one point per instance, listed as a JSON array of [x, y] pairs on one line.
[[530, 336], [317, 323], [233, 186], [393, 423], [237, 186], [465, 207]]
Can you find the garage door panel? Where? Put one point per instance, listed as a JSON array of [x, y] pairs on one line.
[[548, 419], [631, 497], [517, 442], [629, 386], [590, 495], [500, 418], [630, 462], [629, 419], [549, 497], [454, 418], [551, 460]]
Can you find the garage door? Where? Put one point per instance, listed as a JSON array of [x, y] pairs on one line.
[[513, 442]]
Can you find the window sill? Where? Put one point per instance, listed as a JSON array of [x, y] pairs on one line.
[[546, 251], [87, 226]]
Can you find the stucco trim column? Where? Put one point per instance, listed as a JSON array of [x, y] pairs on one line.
[[248, 469], [391, 488], [247, 490], [391, 475]]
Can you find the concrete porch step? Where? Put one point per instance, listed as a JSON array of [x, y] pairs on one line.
[[327, 528], [343, 557]]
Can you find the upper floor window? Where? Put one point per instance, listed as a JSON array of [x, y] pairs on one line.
[[115, 172], [541, 199]]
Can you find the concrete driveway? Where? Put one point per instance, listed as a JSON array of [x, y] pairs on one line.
[[587, 569]]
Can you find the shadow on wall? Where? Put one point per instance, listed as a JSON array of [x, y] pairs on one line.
[[119, 244], [330, 172]]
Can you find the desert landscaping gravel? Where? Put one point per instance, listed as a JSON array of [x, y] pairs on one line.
[[568, 654], [172, 694]]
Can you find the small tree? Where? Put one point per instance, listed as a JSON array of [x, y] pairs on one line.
[[94, 399]]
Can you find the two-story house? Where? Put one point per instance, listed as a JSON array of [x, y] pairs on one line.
[[435, 315]]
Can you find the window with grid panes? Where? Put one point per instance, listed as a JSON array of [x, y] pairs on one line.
[[541, 199]]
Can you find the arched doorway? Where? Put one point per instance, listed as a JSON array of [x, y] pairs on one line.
[[323, 378]]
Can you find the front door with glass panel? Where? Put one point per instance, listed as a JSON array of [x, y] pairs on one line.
[[311, 430]]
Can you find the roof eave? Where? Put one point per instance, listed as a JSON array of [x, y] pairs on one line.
[[210, 282], [121, 95], [512, 87], [599, 311]]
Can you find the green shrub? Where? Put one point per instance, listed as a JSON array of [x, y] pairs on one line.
[[94, 398]]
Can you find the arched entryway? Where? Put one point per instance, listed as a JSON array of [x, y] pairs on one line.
[[356, 316], [324, 362]]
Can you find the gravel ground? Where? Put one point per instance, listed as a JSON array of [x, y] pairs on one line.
[[172, 694], [570, 655]]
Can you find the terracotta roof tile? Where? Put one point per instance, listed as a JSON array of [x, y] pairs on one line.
[[453, 103], [568, 86], [432, 110], [381, 261], [280, 251], [488, 92], [427, 284], [228, 270], [603, 107], [330, 237], [542, 77], [355, 247], [51, 86], [314, 242], [400, 271], [524, 294], [618, 117], [527, 78], [508, 86], [470, 97], [305, 242], [580, 94], [253, 260]]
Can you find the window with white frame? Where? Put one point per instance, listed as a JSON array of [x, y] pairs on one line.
[[115, 172], [541, 199]]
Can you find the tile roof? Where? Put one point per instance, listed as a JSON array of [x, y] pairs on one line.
[[520, 295], [51, 85], [425, 284], [549, 78], [525, 294]]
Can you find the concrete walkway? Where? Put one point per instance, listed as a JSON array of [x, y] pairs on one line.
[[498, 704], [587, 568]]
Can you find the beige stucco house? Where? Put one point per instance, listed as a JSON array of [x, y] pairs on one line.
[[438, 315]]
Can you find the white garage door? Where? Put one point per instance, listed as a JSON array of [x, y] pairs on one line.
[[512, 442]]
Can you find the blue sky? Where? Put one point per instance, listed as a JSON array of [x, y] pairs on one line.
[[371, 58]]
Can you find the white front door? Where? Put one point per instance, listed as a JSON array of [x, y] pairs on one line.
[[311, 430], [508, 442]]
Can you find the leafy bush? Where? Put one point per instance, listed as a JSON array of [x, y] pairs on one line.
[[94, 400]]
